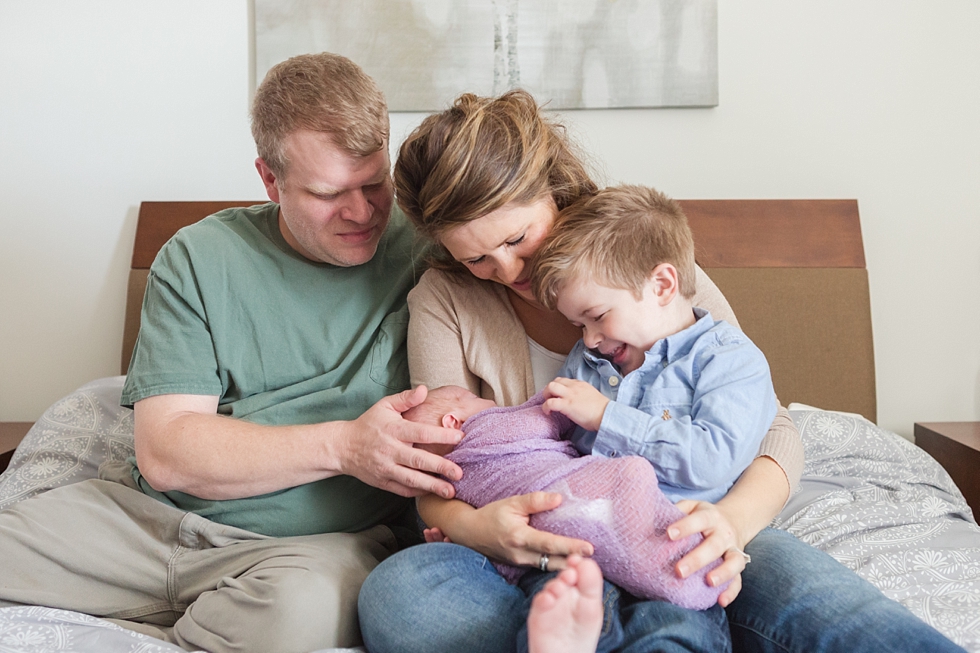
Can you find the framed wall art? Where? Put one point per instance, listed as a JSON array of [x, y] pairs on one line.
[[571, 54]]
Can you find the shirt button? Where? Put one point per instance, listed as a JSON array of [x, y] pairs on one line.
[[614, 381], [664, 362]]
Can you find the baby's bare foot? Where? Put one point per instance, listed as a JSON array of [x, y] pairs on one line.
[[566, 615]]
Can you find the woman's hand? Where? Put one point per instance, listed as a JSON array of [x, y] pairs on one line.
[[757, 496], [721, 540], [501, 531]]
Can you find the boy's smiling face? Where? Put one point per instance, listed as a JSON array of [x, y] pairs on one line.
[[614, 322]]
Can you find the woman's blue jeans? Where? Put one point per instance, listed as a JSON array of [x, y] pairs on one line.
[[447, 598]]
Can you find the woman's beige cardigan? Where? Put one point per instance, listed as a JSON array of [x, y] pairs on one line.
[[463, 331]]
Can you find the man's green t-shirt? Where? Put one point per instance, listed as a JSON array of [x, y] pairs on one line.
[[232, 310]]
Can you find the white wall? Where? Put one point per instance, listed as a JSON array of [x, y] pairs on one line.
[[107, 103]]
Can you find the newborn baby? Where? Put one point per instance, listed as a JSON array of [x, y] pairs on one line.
[[614, 503]]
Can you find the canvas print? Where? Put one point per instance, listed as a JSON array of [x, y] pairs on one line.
[[571, 54]]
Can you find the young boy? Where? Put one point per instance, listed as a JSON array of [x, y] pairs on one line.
[[653, 375], [612, 502]]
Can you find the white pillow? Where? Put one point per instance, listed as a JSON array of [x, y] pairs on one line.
[[70, 441], [796, 406]]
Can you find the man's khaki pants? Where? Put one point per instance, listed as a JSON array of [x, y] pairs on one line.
[[106, 549]]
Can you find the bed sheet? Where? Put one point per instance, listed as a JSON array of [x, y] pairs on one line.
[[42, 630], [35, 629], [884, 508], [871, 499]]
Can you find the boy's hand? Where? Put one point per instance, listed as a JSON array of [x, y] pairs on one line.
[[576, 400]]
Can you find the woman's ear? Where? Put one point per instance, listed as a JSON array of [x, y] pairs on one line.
[[664, 283], [450, 421]]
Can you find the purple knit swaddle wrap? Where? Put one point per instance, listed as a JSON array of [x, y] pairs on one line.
[[614, 503]]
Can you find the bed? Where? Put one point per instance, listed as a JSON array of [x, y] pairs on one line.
[[795, 273]]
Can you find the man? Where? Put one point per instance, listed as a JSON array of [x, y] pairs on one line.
[[273, 463]]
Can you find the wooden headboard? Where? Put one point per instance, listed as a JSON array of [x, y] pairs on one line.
[[793, 271]]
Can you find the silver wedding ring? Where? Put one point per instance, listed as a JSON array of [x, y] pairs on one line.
[[543, 562], [745, 555]]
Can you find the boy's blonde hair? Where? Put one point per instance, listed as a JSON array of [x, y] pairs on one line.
[[616, 238], [322, 92]]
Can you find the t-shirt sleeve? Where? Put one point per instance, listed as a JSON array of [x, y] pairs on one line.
[[174, 353]]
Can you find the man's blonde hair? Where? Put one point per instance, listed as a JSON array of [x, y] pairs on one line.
[[322, 92], [615, 238]]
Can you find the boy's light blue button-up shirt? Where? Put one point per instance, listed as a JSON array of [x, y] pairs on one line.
[[697, 409]]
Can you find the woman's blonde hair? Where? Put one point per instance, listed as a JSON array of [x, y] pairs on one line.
[[615, 238], [322, 92], [479, 155]]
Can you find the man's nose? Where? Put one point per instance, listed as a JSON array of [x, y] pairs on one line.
[[357, 208]]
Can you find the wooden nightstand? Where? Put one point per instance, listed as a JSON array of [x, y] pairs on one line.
[[956, 445], [11, 433]]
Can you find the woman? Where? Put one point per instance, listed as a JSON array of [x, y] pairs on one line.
[[485, 180]]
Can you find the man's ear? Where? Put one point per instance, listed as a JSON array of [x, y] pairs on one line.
[[664, 283], [268, 179], [450, 421]]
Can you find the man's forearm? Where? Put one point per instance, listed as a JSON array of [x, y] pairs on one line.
[[182, 444], [216, 457]]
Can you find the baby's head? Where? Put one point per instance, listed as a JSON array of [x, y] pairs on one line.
[[448, 406]]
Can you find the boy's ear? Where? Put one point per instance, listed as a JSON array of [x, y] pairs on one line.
[[664, 283], [450, 421]]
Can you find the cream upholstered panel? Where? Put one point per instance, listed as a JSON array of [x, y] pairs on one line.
[[814, 325]]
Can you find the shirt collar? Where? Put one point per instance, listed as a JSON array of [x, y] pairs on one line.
[[678, 344]]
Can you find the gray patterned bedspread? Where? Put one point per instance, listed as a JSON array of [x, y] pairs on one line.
[[42, 630], [884, 508], [870, 498]]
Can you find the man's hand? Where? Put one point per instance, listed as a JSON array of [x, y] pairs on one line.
[[576, 400], [377, 448]]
